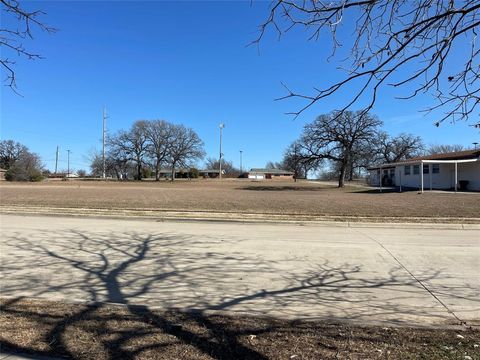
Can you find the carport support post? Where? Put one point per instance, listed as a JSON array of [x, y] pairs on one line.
[[400, 173], [456, 175], [421, 177], [430, 166]]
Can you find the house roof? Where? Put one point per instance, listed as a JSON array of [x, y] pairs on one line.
[[457, 155], [270, 171]]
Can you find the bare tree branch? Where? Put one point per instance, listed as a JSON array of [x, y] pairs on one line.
[[338, 137], [11, 36], [405, 44]]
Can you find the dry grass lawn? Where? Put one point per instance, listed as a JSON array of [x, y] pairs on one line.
[[118, 332], [241, 196]]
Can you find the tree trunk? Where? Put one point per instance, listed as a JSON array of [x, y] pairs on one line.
[[341, 179], [139, 168], [157, 171], [139, 171], [173, 171], [350, 174]]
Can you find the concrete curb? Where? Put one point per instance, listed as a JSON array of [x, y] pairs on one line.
[[246, 218]]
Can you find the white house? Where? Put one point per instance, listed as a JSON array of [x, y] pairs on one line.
[[270, 174], [456, 170]]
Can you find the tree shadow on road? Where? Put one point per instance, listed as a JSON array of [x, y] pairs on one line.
[[190, 277]]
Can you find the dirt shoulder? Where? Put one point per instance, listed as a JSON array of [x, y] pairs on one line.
[[104, 331], [240, 200]]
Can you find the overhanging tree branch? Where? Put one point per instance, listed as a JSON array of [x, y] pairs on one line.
[[12, 36], [397, 43]]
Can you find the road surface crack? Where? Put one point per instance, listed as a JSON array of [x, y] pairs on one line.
[[413, 276]]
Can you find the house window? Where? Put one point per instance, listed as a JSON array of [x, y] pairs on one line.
[[425, 169], [416, 169], [392, 172], [385, 172], [436, 168], [407, 169]]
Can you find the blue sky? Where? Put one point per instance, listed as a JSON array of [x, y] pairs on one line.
[[185, 62]]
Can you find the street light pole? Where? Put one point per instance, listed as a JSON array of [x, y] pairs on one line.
[[104, 118], [222, 125], [56, 161], [241, 168], [68, 164]]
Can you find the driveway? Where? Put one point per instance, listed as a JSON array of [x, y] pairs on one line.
[[399, 276]]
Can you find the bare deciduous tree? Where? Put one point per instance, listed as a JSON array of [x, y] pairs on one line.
[[444, 148], [28, 167], [159, 134], [149, 144], [336, 136], [10, 151], [82, 173], [294, 160], [227, 166], [20, 163], [405, 44], [116, 165], [186, 147], [392, 149], [131, 145], [12, 36]]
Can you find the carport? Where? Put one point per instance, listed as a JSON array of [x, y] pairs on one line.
[[445, 171], [423, 170]]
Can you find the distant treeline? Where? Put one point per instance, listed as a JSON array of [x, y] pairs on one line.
[[148, 146]]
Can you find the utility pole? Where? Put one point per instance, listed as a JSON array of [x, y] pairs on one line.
[[68, 164], [103, 141], [222, 125], [56, 161], [241, 168]]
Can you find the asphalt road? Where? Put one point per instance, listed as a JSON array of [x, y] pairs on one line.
[[365, 275]]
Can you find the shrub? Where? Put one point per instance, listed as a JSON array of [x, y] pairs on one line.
[[27, 167], [36, 176], [82, 173], [193, 172]]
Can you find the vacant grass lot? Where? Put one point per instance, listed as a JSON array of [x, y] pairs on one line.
[[241, 196]]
